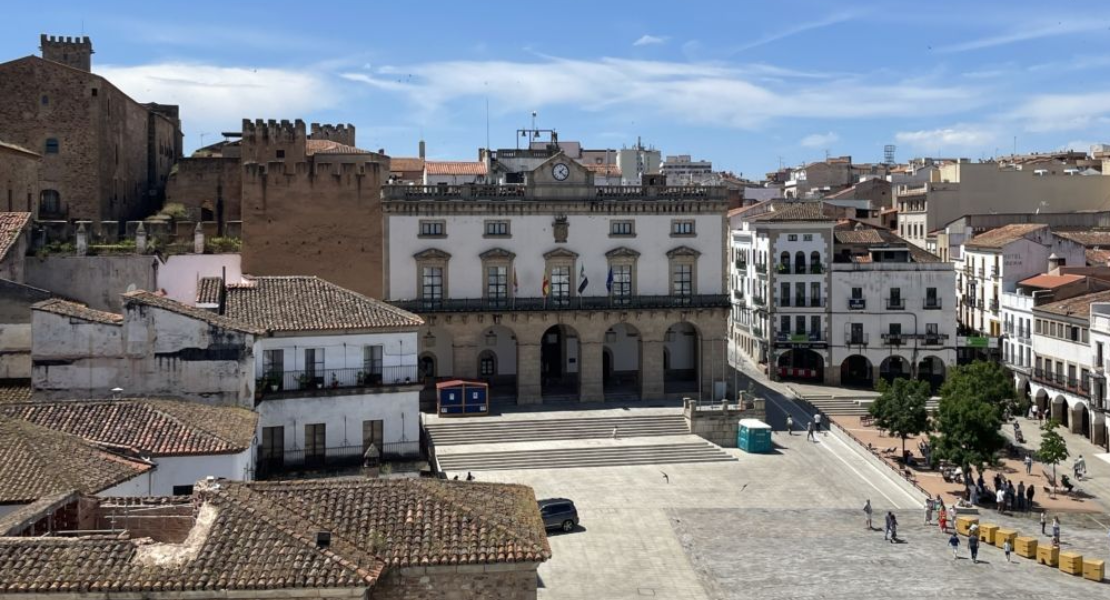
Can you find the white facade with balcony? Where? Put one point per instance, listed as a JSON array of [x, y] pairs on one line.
[[1017, 326], [1063, 362]]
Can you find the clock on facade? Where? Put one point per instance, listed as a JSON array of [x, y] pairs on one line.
[[560, 171]]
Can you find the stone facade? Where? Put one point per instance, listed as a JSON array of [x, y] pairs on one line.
[[104, 155], [720, 423], [510, 581], [19, 178], [15, 328], [311, 213], [209, 187]]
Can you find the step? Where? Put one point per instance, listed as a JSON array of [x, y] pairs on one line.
[[445, 434], [557, 458]]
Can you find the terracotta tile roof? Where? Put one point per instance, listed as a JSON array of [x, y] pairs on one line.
[[1049, 282], [609, 169], [859, 236], [451, 167], [1098, 258], [75, 310], [36, 462], [794, 211], [997, 238], [193, 312], [402, 163], [1078, 306], [208, 290], [331, 147], [146, 426], [12, 224], [1087, 238], [299, 303], [15, 392], [262, 536]]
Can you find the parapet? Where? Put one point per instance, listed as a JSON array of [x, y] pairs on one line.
[[75, 52], [265, 141], [343, 134]]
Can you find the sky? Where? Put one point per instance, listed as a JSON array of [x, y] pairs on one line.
[[748, 85]]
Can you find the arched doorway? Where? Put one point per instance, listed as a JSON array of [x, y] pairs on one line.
[[1081, 419], [559, 363], [622, 362], [435, 348], [1041, 400], [497, 361], [680, 359], [894, 367], [1060, 410], [855, 371], [428, 367], [931, 370], [801, 364]]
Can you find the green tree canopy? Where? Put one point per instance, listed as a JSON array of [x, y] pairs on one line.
[[1053, 450], [984, 381], [901, 408], [972, 402]]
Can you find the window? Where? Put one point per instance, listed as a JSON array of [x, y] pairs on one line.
[[784, 324], [682, 228], [372, 435], [497, 229], [51, 145], [931, 298], [314, 365], [799, 324], [183, 490], [856, 334], [560, 284], [433, 229], [793, 237], [815, 327], [682, 280], [497, 283], [622, 228], [895, 330], [280, 153], [431, 284], [895, 302], [784, 294], [857, 293], [807, 237], [815, 293], [800, 294], [273, 445], [372, 364], [273, 366], [315, 438], [94, 92], [487, 365], [622, 282], [45, 99]]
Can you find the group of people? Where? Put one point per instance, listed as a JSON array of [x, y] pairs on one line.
[[890, 527], [811, 428], [1006, 496]]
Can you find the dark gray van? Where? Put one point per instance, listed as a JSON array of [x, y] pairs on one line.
[[559, 513]]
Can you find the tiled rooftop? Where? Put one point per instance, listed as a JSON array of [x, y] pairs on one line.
[[1078, 306], [208, 290], [402, 163], [262, 536], [298, 303], [450, 167], [859, 236], [1049, 282], [193, 312], [75, 310], [999, 237], [36, 461], [145, 426], [331, 147], [794, 211], [11, 225], [1090, 239], [14, 392], [1098, 258]]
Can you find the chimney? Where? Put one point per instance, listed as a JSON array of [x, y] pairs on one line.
[[1055, 262], [323, 539], [422, 149]]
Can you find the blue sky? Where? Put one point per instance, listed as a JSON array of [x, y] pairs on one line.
[[743, 84]]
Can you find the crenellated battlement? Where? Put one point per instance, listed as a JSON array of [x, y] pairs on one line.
[[75, 52], [269, 140], [343, 134]]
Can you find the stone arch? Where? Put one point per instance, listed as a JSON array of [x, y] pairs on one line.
[[801, 364], [1080, 419], [681, 358], [784, 260], [894, 367], [497, 346], [622, 362], [437, 343], [931, 369], [814, 261], [1060, 410], [857, 371], [1042, 401], [560, 373], [799, 262]]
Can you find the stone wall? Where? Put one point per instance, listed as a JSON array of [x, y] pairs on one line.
[[19, 179], [720, 423], [15, 328], [512, 581], [94, 280], [205, 185]]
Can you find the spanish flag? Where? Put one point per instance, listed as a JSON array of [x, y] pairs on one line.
[[516, 282], [546, 285]]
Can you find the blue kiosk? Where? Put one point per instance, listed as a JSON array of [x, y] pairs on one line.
[[462, 398]]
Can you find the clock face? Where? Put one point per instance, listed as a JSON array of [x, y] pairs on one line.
[[560, 171]]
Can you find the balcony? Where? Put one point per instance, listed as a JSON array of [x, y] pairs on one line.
[[519, 192], [564, 303], [932, 339], [860, 339], [761, 268], [1081, 387], [757, 331], [741, 265], [994, 306], [979, 303], [893, 339], [782, 269], [786, 336], [816, 303], [895, 304], [994, 273], [816, 269], [337, 459], [756, 300], [323, 382], [931, 304], [738, 295], [857, 304]]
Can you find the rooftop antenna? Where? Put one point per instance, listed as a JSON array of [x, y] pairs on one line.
[[532, 135], [888, 154]]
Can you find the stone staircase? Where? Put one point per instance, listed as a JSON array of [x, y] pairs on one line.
[[484, 431], [850, 407], [697, 451]]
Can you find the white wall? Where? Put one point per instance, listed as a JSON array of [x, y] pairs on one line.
[[143, 485], [180, 273], [532, 237], [343, 416], [340, 351], [15, 351], [187, 470]]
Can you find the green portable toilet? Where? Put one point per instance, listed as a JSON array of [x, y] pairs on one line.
[[754, 436]]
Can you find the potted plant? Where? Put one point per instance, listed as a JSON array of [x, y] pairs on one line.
[[274, 382], [303, 381], [334, 381], [360, 378]]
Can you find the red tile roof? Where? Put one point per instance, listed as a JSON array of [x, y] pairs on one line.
[[209, 289], [1001, 236], [1087, 238], [331, 147], [402, 163], [193, 312], [1049, 282], [144, 426], [1078, 306], [12, 225], [1098, 258], [75, 310], [297, 303], [445, 167]]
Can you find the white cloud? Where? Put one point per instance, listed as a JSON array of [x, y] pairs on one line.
[[1032, 32], [959, 138], [692, 92], [819, 140], [214, 98], [793, 30], [649, 40], [1062, 112], [1078, 145]]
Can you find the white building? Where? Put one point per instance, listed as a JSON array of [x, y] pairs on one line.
[[994, 262], [836, 305], [558, 288], [683, 170]]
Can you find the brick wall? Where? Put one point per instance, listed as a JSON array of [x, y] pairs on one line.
[[19, 180], [200, 182], [465, 582]]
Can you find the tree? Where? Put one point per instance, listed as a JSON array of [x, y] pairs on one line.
[[901, 408], [984, 381], [972, 402], [1053, 450]]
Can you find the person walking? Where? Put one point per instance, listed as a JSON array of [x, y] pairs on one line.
[[973, 546], [942, 519], [954, 544], [1029, 491], [867, 510], [928, 511], [1043, 521], [1007, 547], [952, 516], [789, 425], [893, 526], [1028, 464], [817, 421], [1000, 499], [809, 432], [1056, 527]]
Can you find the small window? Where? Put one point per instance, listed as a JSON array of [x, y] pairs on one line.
[[182, 490], [682, 228], [807, 237], [45, 99], [622, 228], [94, 92], [497, 228], [51, 145], [281, 153], [793, 237], [432, 229]]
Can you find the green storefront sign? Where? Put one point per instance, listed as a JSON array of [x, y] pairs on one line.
[[977, 342]]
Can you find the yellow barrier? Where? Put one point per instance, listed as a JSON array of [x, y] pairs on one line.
[[1003, 535], [1071, 563], [963, 524], [1026, 547], [987, 533], [1093, 569], [1047, 555]]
